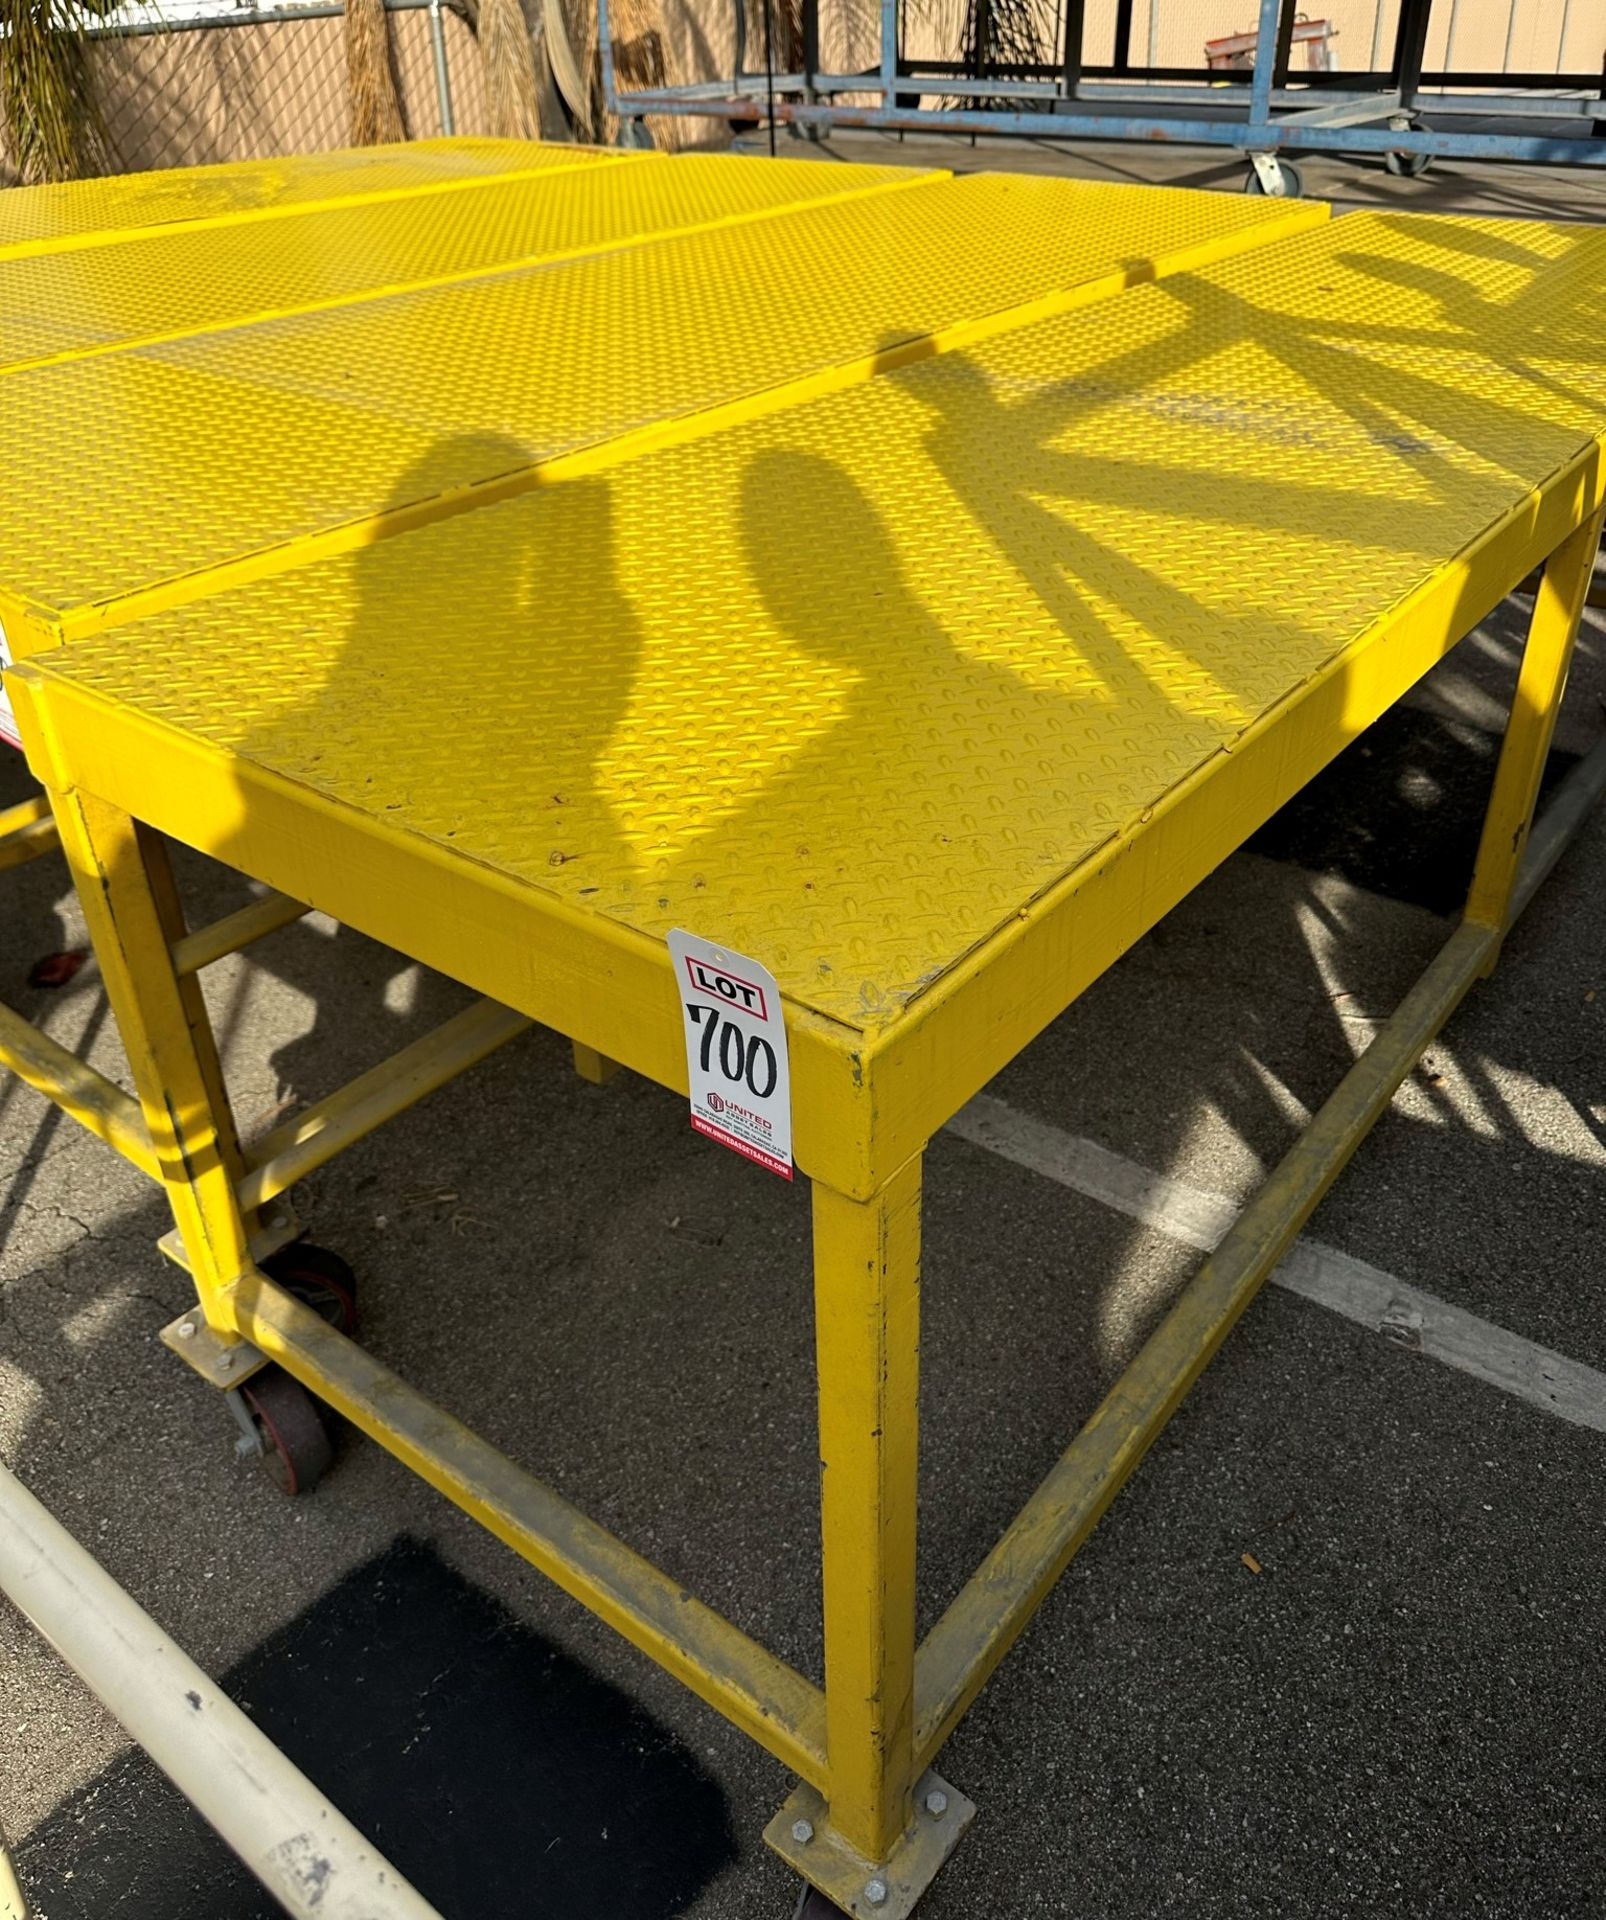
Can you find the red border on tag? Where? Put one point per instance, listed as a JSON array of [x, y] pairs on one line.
[[743, 1147], [719, 999]]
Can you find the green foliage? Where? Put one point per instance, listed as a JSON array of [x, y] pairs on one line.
[[50, 119]]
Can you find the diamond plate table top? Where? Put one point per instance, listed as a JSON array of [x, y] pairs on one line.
[[151, 464], [187, 279], [74, 211], [849, 686]]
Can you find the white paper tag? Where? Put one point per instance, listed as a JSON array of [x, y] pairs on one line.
[[8, 720], [741, 1084]]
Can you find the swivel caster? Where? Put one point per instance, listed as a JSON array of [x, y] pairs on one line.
[[280, 1422], [1273, 177], [1397, 161], [318, 1279], [813, 1905], [288, 1430], [1406, 166]]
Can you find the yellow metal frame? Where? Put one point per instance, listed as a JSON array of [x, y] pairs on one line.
[[285, 210], [62, 217], [870, 1825], [44, 222], [708, 367], [174, 211]]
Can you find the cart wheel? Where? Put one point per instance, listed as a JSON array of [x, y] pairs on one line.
[[1406, 166], [318, 1279], [813, 1905], [1293, 182], [296, 1448]]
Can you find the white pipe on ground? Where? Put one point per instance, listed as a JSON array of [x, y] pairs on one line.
[[308, 1855], [12, 1904]]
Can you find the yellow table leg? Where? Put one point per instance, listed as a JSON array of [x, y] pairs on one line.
[[874, 1840], [125, 885], [593, 1066], [867, 1330], [1546, 656]]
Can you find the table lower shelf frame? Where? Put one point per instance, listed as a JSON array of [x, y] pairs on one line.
[[863, 1743], [290, 1152]]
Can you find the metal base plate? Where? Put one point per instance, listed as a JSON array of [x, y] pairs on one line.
[[220, 1363], [844, 1876], [275, 1227]]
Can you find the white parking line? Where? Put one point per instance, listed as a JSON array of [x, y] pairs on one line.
[[1332, 1279]]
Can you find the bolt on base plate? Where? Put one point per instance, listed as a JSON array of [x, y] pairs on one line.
[[941, 1815], [223, 1363]]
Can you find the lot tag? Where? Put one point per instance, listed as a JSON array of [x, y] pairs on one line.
[[8, 720], [741, 1084]]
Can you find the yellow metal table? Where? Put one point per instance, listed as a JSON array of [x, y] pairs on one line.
[[143, 286], [156, 466], [931, 690], [72, 213], [309, 354]]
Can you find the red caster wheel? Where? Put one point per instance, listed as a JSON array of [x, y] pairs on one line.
[[813, 1905], [318, 1279], [295, 1445]]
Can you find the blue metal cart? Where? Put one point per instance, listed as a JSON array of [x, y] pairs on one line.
[[1266, 111]]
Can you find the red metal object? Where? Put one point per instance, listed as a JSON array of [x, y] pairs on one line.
[[56, 969], [1237, 50]]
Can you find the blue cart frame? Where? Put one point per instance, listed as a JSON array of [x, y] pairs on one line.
[[1269, 119]]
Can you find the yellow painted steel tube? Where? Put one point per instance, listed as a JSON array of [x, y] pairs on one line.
[[26, 831], [591, 1065], [984, 1621], [302, 1145], [26, 813], [768, 1700], [867, 1339], [235, 930], [1546, 657], [87, 1096], [125, 887], [1569, 808]]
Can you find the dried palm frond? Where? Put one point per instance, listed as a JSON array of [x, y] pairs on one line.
[[640, 60], [999, 38], [50, 117], [375, 110], [559, 87], [512, 99], [783, 21]]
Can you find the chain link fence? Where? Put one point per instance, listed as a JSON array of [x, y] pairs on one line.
[[202, 84], [188, 82]]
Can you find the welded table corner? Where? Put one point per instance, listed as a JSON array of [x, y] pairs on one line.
[[886, 1889]]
